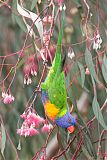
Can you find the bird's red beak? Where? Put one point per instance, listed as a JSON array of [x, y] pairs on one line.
[[71, 129]]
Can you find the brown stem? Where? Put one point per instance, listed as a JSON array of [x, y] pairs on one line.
[[67, 147]]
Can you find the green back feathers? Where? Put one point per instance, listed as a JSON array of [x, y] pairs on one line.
[[57, 91]]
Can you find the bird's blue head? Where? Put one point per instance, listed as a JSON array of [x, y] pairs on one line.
[[66, 121]]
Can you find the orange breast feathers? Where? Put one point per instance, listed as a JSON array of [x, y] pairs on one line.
[[51, 110]]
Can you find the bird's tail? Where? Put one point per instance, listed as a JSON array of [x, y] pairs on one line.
[[58, 63]]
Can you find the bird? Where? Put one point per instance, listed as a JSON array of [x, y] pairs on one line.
[[54, 95]]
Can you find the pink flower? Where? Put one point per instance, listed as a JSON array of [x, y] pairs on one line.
[[105, 156], [48, 19], [7, 98], [33, 131], [27, 130], [97, 41], [24, 116], [42, 158], [45, 19], [27, 78], [39, 1], [87, 72], [30, 69], [34, 119], [31, 122], [44, 55], [46, 38], [46, 128]]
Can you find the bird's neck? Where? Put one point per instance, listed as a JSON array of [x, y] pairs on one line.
[[61, 113]]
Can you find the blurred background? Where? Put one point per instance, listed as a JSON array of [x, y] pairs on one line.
[[12, 35]]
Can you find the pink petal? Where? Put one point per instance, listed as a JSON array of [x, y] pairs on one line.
[[27, 132], [23, 116], [46, 128], [32, 118]]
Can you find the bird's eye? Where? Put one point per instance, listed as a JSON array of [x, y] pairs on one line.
[[69, 120]]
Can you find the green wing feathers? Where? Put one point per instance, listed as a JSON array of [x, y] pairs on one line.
[[57, 91], [57, 94]]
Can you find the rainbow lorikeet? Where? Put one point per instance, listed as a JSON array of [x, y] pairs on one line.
[[54, 96]]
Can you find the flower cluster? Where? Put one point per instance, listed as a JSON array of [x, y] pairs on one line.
[[47, 54], [7, 98], [31, 124], [34, 119], [27, 130], [97, 41], [48, 19], [30, 69], [46, 38]]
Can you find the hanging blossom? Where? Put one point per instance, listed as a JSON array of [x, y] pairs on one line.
[[7, 98], [46, 38], [30, 69], [27, 130], [97, 41], [47, 55], [48, 20], [71, 54], [61, 5], [39, 1], [31, 122], [42, 158], [34, 119], [87, 72], [46, 128]]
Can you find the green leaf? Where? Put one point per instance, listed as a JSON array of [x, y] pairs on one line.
[[61, 145], [21, 63], [18, 19], [78, 3], [98, 113], [33, 4], [34, 17], [104, 68], [90, 65], [3, 140], [20, 22], [70, 90], [82, 71], [19, 146], [93, 82], [88, 145]]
